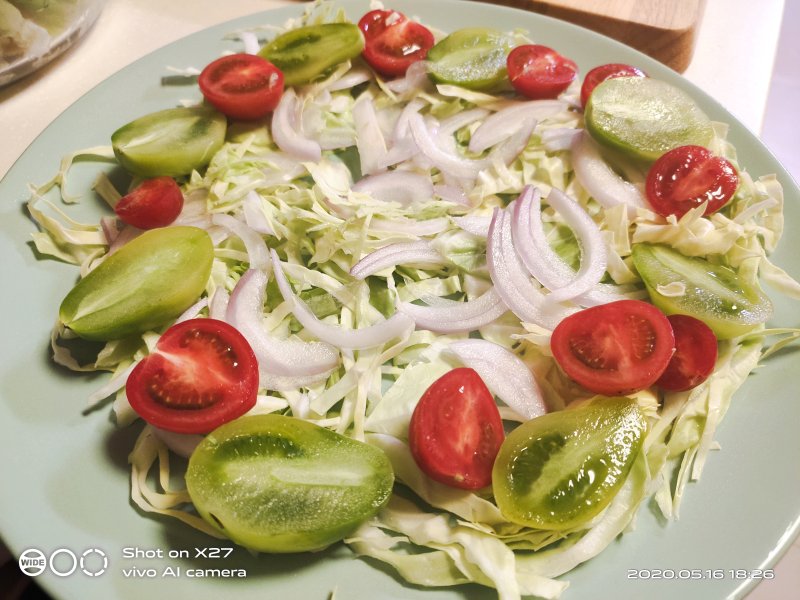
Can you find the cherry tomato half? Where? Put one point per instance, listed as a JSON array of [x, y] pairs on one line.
[[614, 348], [687, 176], [456, 430], [599, 74], [695, 354], [153, 203], [539, 72], [203, 373], [393, 42], [242, 86]]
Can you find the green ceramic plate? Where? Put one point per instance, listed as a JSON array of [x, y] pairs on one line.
[[64, 474]]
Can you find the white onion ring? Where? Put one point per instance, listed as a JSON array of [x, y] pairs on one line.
[[600, 180], [559, 138], [512, 281], [416, 78], [404, 253], [355, 76], [286, 130], [284, 360], [452, 164], [397, 326], [506, 121], [403, 187], [509, 149], [192, 311], [452, 124], [253, 242], [456, 317], [504, 373]]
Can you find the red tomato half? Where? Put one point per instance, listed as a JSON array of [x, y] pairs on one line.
[[599, 74], [456, 431], [687, 176], [203, 373], [614, 348], [695, 354], [392, 42], [153, 203], [242, 86], [539, 72]]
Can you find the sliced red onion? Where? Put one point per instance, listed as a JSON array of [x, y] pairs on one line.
[[456, 317], [253, 242], [403, 187], [110, 226], [416, 78], [402, 131], [559, 138], [192, 311], [400, 152], [512, 281], [126, 234], [279, 360], [600, 180], [449, 163], [504, 373], [355, 76], [286, 130], [452, 124], [410, 226], [218, 306], [507, 121], [182, 444], [512, 147], [116, 383], [404, 253], [475, 225], [254, 216], [369, 139], [396, 326], [451, 193]]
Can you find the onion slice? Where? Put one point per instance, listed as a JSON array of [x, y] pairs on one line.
[[286, 130], [600, 180], [452, 164], [408, 253], [397, 326], [254, 216], [253, 242], [403, 187], [369, 138], [457, 317], [309, 361], [505, 122], [512, 281], [505, 374]]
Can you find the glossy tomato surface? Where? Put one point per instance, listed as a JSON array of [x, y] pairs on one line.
[[695, 354], [242, 86], [614, 348], [687, 176], [203, 373], [609, 71], [540, 72], [393, 42], [153, 203], [456, 430]]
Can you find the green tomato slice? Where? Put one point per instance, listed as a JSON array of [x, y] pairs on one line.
[[307, 53], [279, 484], [558, 471], [171, 142], [643, 118], [715, 294], [473, 58], [144, 285]]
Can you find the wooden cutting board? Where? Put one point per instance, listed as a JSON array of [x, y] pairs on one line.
[[663, 29]]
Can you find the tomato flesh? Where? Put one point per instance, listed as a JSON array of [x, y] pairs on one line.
[[456, 430], [539, 72], [242, 86], [687, 176], [614, 348], [393, 42], [153, 203], [202, 374], [695, 354], [599, 74]]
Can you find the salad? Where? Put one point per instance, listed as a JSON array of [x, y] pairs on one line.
[[424, 292]]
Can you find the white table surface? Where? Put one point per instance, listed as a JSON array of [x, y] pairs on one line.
[[733, 60]]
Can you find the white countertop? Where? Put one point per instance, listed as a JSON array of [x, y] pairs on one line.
[[733, 60]]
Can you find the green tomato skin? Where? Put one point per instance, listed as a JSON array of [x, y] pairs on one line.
[[172, 142], [278, 484], [144, 285], [306, 53], [715, 294], [473, 58], [558, 471]]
